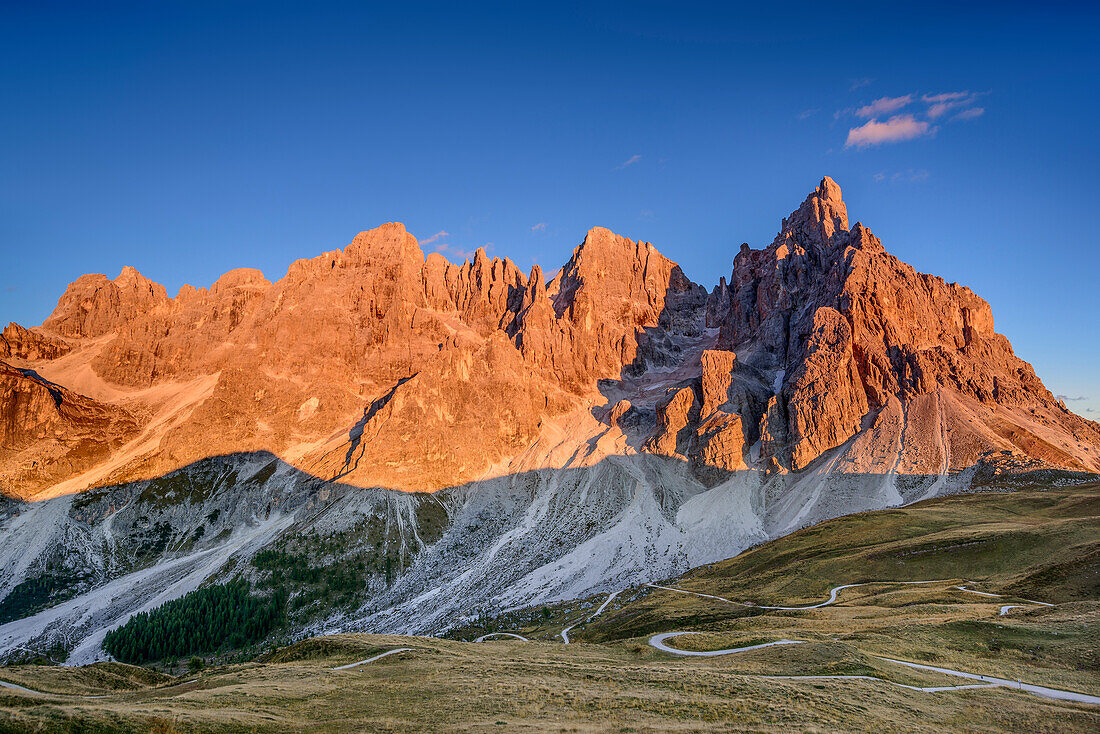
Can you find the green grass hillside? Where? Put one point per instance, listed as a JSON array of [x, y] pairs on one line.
[[1042, 545]]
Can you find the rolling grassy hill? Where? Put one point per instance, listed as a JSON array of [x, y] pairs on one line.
[[1026, 547]]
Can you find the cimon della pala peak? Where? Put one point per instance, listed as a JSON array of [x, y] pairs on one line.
[[473, 438]]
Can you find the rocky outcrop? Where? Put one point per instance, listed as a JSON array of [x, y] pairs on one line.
[[610, 302], [94, 305], [49, 434], [31, 346], [827, 402], [675, 417], [719, 442], [701, 423]]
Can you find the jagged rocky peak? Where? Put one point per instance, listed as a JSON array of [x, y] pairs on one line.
[[94, 305], [240, 278], [613, 303], [30, 345], [822, 215], [388, 243], [630, 280], [847, 329]]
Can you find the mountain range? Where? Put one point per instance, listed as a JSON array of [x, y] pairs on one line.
[[444, 441]]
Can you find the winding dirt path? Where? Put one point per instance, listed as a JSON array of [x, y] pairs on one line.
[[483, 638], [21, 689], [925, 689], [371, 660], [831, 600], [1001, 596], [658, 641], [33, 692], [837, 589], [608, 600], [986, 681]]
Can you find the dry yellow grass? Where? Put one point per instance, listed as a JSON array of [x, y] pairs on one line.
[[613, 680], [451, 686]]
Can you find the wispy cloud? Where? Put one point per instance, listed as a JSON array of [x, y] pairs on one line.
[[970, 114], [914, 175], [896, 129], [541, 226], [12, 288], [435, 237], [808, 113], [884, 106], [945, 97], [455, 252], [647, 214], [942, 103], [939, 104], [908, 116], [854, 84], [938, 109], [628, 162], [1068, 399]]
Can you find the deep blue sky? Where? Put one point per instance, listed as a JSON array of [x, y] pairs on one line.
[[187, 139]]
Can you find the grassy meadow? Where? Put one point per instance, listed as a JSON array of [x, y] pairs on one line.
[[1026, 546]]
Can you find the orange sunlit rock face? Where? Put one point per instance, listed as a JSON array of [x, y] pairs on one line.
[[381, 367]]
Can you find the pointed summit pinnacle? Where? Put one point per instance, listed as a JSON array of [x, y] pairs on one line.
[[829, 190], [821, 216]]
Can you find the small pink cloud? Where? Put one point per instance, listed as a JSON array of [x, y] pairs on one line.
[[938, 109], [541, 226], [912, 175], [941, 104], [970, 114], [944, 97], [897, 128], [456, 252], [628, 162], [885, 105], [437, 236]]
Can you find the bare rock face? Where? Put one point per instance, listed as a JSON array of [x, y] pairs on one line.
[[604, 306], [701, 423], [377, 366], [675, 417], [49, 434], [32, 346], [95, 305], [720, 443], [827, 402], [718, 368], [619, 412]]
